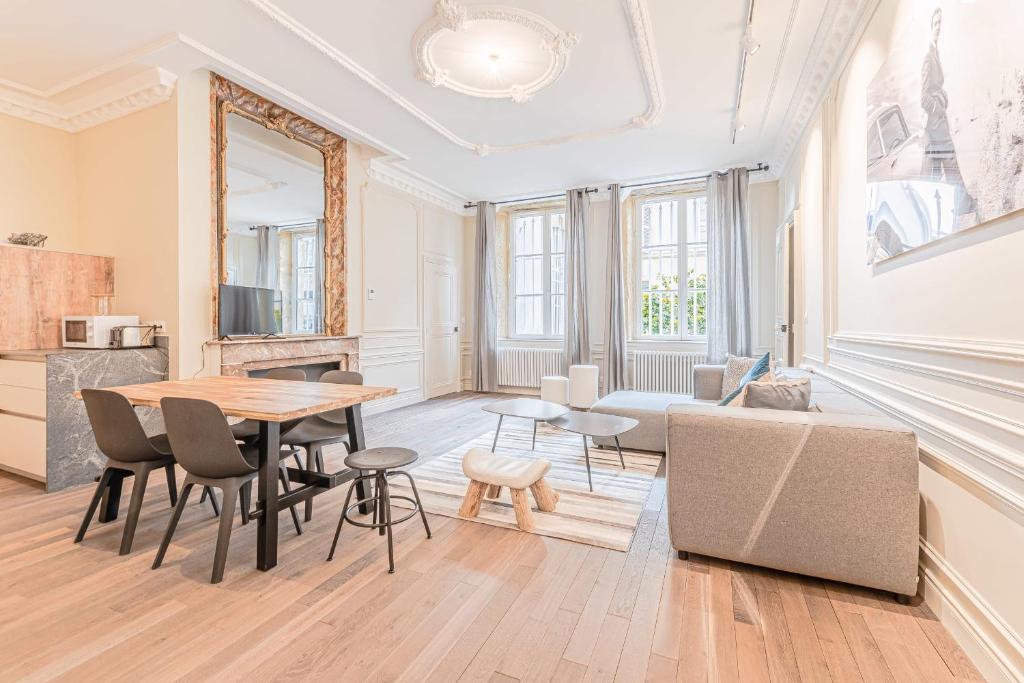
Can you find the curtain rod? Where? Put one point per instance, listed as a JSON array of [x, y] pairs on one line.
[[297, 224], [673, 181], [472, 205]]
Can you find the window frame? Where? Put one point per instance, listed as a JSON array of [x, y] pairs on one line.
[[300, 234], [547, 212], [683, 251]]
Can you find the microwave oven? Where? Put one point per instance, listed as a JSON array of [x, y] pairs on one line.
[[92, 331]]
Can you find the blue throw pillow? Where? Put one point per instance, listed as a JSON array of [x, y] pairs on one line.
[[756, 372]]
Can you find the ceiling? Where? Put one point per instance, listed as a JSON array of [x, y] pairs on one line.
[[647, 91]]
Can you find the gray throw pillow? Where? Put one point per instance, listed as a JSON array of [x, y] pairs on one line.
[[792, 395], [735, 368]]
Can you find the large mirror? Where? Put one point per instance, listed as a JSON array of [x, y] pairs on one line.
[[280, 223], [275, 221]]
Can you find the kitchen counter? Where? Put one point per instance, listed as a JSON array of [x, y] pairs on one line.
[[47, 432]]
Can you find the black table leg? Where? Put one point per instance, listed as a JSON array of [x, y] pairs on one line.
[[357, 442], [266, 531], [112, 497]]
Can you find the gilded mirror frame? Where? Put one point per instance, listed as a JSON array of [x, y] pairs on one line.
[[227, 97]]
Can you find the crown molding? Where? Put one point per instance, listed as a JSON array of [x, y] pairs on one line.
[[643, 38], [130, 95], [842, 21], [449, 15], [384, 170]]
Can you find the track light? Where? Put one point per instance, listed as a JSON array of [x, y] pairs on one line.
[[749, 44]]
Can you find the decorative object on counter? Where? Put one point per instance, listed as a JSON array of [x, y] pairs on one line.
[[27, 239]]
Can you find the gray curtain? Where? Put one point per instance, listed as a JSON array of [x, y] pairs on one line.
[[266, 256], [485, 328], [615, 315], [728, 266], [577, 339], [321, 267]]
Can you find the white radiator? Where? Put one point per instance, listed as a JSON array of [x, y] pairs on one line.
[[519, 367], [667, 372]]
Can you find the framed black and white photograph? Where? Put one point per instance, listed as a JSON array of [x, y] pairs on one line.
[[945, 124]]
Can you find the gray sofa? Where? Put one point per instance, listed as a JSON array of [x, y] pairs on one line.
[[832, 492], [648, 408]]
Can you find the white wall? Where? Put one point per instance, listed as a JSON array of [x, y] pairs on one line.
[[38, 183], [390, 231], [935, 337]]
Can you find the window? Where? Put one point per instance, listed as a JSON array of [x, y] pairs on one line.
[[538, 274], [306, 281], [673, 254]]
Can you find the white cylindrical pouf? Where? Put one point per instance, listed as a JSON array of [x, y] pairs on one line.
[[554, 388], [582, 386]]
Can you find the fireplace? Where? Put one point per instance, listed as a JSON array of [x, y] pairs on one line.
[[254, 356]]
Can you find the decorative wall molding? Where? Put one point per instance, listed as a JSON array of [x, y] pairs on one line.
[[151, 87], [990, 642], [978, 353], [643, 37], [842, 22], [385, 170], [449, 15]]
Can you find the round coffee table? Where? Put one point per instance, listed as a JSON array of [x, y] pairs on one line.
[[527, 408], [595, 424]]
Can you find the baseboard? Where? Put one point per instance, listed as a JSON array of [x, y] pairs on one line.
[[991, 645], [404, 397]]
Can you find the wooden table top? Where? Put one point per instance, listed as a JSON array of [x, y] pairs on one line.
[[274, 400]]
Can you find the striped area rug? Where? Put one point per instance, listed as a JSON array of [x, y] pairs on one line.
[[606, 517]]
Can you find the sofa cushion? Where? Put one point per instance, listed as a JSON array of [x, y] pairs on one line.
[[756, 371], [735, 368], [648, 409], [783, 395]]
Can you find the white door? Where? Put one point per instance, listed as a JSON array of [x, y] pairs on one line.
[[784, 293], [440, 323]]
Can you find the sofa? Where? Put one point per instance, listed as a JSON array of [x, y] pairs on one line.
[[648, 408], [832, 492]]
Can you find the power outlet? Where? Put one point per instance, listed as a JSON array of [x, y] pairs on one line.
[[371, 294]]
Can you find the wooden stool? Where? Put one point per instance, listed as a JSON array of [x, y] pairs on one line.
[[485, 469]]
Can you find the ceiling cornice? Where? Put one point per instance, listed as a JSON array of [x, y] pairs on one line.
[[643, 38], [840, 24], [384, 170], [127, 96]]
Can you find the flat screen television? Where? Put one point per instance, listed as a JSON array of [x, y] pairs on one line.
[[243, 311]]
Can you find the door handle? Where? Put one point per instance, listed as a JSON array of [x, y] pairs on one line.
[[456, 329], [783, 327]]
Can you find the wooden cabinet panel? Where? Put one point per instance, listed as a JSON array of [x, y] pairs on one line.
[[22, 400], [23, 445], [23, 373]]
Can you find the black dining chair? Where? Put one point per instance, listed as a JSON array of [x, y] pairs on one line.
[[208, 452], [121, 438], [315, 432]]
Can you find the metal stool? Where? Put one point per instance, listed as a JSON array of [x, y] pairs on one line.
[[382, 463]]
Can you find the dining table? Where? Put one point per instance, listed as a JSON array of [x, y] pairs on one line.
[[269, 402]]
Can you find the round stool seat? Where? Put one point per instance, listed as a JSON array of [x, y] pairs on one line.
[[381, 458]]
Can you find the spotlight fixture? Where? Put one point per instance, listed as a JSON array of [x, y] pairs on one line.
[[749, 44]]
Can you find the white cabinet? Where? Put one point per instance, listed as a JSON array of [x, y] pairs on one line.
[[23, 417]]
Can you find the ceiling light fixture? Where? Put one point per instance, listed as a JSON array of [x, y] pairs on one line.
[[749, 46]]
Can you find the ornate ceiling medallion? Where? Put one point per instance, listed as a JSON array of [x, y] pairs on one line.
[[491, 50]]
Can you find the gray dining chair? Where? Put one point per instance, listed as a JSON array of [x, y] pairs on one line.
[[121, 438], [208, 452], [317, 431]]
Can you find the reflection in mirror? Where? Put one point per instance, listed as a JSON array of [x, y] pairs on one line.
[[275, 222]]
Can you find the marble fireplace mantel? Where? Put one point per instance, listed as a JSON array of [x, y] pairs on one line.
[[237, 357]]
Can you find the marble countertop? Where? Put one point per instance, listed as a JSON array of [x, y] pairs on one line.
[[40, 355]]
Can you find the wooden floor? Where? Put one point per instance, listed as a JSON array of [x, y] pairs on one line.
[[475, 603]]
